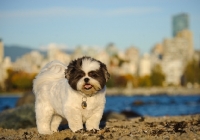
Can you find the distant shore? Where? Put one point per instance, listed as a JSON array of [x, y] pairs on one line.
[[11, 94], [153, 91], [135, 91]]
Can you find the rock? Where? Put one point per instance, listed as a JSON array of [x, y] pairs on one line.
[[117, 116], [130, 114], [125, 114], [138, 103], [20, 117], [6, 107], [112, 115], [27, 98]]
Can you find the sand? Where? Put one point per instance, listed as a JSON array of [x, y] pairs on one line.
[[141, 128]]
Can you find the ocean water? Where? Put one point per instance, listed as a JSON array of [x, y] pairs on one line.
[[157, 105], [7, 102]]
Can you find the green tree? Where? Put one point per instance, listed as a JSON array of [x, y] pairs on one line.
[[117, 81], [157, 77], [192, 72], [145, 81]]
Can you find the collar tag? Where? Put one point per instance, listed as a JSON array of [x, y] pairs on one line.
[[84, 102]]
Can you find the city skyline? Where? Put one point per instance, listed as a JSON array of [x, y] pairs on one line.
[[141, 24], [171, 58]]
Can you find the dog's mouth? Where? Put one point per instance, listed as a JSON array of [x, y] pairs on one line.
[[87, 86]]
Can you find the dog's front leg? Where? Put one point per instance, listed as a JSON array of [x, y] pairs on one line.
[[74, 118], [44, 113], [94, 121]]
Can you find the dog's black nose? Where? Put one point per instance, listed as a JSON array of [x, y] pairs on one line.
[[86, 80]]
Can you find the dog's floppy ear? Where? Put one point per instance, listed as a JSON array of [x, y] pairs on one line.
[[105, 71], [67, 72], [75, 64], [70, 68]]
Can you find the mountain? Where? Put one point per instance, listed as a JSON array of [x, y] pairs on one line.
[[15, 51]]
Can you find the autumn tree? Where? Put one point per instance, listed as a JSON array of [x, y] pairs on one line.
[[19, 80]]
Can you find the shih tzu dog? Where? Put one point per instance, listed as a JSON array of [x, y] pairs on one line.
[[76, 92]]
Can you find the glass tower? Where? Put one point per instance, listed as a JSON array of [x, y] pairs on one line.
[[179, 23]]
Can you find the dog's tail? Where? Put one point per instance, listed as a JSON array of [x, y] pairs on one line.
[[51, 72]]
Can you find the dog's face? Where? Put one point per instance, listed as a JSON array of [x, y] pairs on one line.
[[87, 75]]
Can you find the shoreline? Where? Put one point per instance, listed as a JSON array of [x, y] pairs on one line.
[[11, 95], [141, 128], [133, 91], [153, 91]]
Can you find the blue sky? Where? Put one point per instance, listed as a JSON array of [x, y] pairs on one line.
[[139, 23]]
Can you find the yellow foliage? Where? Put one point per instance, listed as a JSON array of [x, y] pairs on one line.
[[19, 80]]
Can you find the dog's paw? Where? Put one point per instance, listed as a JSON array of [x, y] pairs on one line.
[[46, 132], [55, 131], [94, 131], [80, 131]]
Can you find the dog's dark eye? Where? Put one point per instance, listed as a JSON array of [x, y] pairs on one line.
[[79, 75], [93, 74]]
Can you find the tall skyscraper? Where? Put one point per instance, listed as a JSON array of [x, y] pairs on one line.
[[1, 51], [180, 22]]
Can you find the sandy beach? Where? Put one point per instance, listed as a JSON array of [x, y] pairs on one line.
[[141, 128]]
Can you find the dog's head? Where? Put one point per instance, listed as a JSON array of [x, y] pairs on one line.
[[87, 75]]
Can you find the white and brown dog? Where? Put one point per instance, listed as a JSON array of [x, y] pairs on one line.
[[76, 92]]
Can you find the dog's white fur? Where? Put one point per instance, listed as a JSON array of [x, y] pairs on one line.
[[55, 99]]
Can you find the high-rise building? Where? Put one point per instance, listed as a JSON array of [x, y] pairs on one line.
[[145, 65], [1, 51], [180, 22], [188, 36]]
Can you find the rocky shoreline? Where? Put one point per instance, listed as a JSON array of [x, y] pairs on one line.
[[139, 128]]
